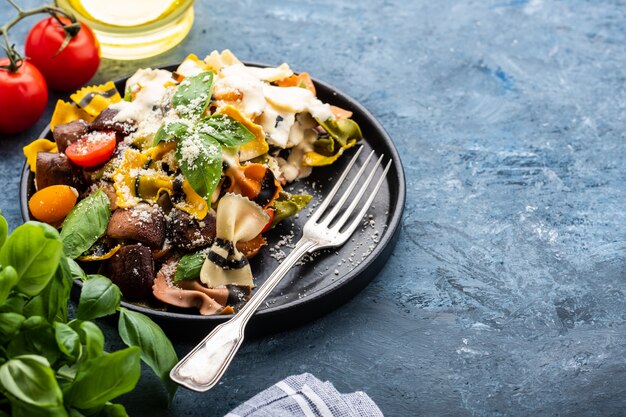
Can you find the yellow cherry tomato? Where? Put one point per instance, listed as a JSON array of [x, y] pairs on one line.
[[52, 204]]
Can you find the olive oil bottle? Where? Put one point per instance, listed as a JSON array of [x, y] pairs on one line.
[[133, 29]]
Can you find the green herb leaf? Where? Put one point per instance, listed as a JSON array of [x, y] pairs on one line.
[[98, 298], [226, 130], [75, 271], [156, 350], [193, 95], [67, 339], [85, 224], [4, 229], [189, 266], [287, 205], [36, 337], [29, 379], [105, 377], [112, 410], [10, 324], [200, 160], [90, 336], [8, 279], [342, 130], [34, 250], [19, 409], [51, 302], [170, 131]]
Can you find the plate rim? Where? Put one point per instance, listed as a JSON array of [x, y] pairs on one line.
[[372, 261]]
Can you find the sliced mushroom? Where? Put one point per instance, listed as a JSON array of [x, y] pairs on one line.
[[143, 223], [56, 169], [189, 233], [106, 121], [68, 133], [132, 269]]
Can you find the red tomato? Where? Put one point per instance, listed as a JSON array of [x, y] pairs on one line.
[[269, 211], [93, 149], [23, 97], [74, 65]]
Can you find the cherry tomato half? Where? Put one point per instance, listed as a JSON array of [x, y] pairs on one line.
[[93, 149], [23, 97], [74, 65]]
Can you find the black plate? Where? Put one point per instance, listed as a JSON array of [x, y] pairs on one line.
[[332, 277]]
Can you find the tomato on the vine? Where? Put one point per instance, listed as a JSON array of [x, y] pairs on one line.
[[23, 97], [74, 65], [93, 149]]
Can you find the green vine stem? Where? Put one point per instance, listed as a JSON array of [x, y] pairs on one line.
[[15, 58]]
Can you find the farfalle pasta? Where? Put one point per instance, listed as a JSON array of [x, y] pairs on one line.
[[181, 174]]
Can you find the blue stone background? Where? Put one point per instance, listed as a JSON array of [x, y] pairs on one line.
[[505, 293]]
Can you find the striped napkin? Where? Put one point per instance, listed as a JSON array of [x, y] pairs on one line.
[[306, 396]]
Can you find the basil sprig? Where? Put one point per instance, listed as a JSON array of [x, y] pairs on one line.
[[52, 366], [86, 223], [200, 160], [193, 95], [200, 138], [189, 266], [224, 129]]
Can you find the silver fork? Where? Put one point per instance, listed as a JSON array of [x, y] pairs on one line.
[[203, 367]]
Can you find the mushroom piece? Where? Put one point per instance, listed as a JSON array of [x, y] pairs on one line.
[[132, 269], [68, 133], [106, 121], [57, 169], [143, 223], [189, 233]]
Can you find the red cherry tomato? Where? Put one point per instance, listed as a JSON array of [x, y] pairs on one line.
[[93, 149], [74, 65], [23, 97], [269, 211]]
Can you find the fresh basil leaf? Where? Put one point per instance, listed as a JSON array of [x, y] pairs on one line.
[[342, 130], [76, 272], [4, 229], [8, 279], [36, 337], [51, 302], [156, 349], [29, 379], [85, 224], [112, 410], [19, 409], [105, 377], [67, 340], [170, 131], [15, 303], [10, 324], [226, 130], [189, 266], [287, 205], [193, 95], [90, 336], [34, 250], [98, 298], [200, 160]]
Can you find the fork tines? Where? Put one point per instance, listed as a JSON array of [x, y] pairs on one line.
[[340, 224]]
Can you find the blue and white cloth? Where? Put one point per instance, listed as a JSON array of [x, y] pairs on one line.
[[306, 396]]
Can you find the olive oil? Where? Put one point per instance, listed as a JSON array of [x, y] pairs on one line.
[[133, 29]]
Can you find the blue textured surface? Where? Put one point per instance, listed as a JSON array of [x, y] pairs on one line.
[[506, 292]]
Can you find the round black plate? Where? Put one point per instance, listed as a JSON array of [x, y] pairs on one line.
[[331, 277]]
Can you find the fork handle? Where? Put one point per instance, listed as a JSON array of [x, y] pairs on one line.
[[203, 367]]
